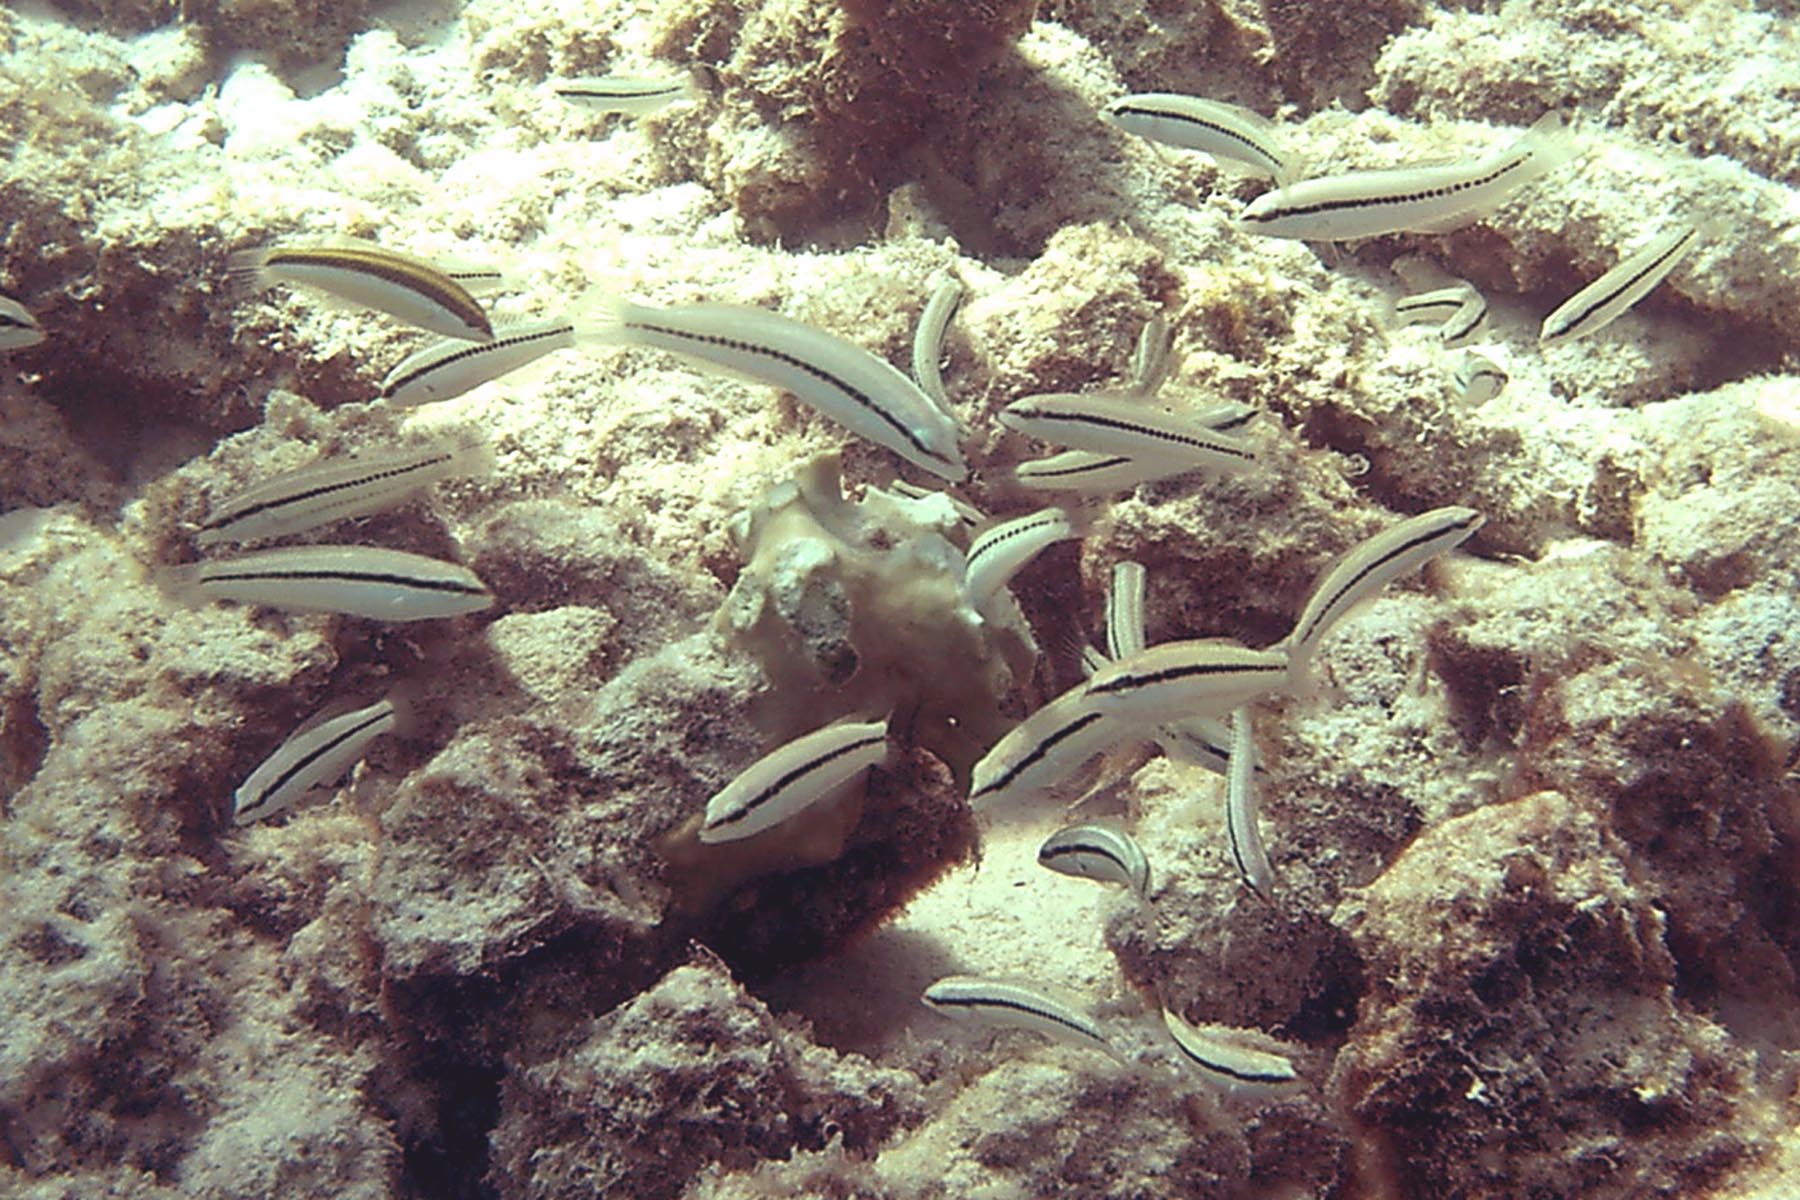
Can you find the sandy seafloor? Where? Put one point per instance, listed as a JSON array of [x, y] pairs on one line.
[[1534, 932]]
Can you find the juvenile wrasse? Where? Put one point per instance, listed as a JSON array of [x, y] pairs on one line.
[[1150, 357], [967, 514], [1457, 311], [792, 778], [1176, 681], [358, 581], [1223, 1056], [18, 328], [1043, 750], [1598, 304], [1479, 378], [1125, 609], [1422, 199], [1248, 853], [453, 366], [928, 340], [1087, 473], [1104, 424], [624, 94], [318, 753], [1213, 127], [1371, 566], [998, 553], [1006, 1004], [400, 285], [337, 488], [1098, 851], [836, 377]]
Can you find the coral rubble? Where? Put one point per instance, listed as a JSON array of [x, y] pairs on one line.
[[1532, 815]]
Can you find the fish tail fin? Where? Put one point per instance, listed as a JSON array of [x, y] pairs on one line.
[[245, 275], [181, 585], [406, 698], [471, 455], [1551, 143], [602, 318]]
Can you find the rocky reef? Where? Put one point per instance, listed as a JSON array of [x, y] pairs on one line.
[[1533, 819]]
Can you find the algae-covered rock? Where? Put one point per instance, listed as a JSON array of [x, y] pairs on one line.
[[693, 1072], [831, 100], [1532, 818], [1577, 1067]]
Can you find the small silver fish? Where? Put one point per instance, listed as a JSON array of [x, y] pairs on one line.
[[793, 777], [1097, 851], [1011, 1004], [625, 94], [18, 328], [404, 287]]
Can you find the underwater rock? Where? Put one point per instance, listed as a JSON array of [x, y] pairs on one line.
[[833, 97], [523, 827], [1577, 1067], [1069, 319], [1038, 1128], [295, 35], [1532, 823], [139, 977], [548, 554], [691, 1072]]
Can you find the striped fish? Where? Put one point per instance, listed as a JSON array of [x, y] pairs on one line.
[[625, 94], [1457, 311], [1125, 610], [1225, 131], [792, 778], [1103, 424], [1241, 829], [453, 366], [928, 340], [1479, 378], [1086, 473], [1150, 357], [1098, 851], [1423, 199], [334, 489], [406, 288], [1043, 750], [1177, 681], [358, 581], [1598, 304], [1371, 566], [1224, 1057], [318, 753], [837, 378], [999, 552], [18, 328], [1010, 1004]]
